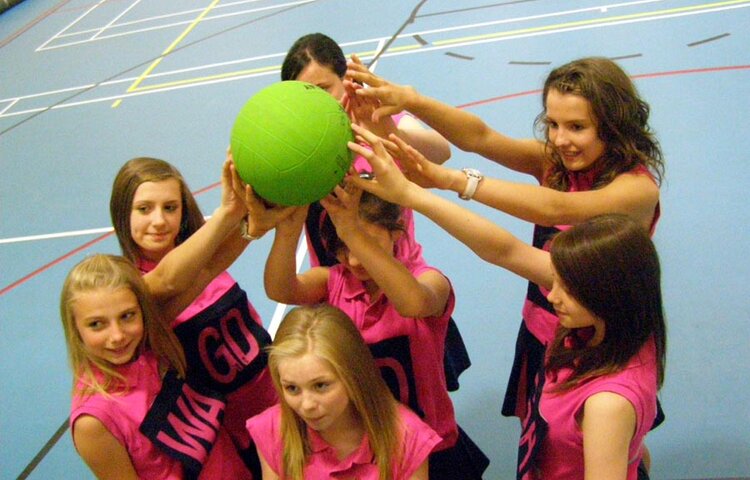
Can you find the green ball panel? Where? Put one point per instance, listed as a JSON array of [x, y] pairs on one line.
[[290, 143]]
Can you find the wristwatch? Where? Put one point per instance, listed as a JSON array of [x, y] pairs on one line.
[[473, 177]]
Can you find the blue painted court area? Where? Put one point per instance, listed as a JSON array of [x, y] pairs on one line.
[[86, 85]]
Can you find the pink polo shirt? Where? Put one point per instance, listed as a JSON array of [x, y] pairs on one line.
[[561, 454], [409, 351], [418, 441], [122, 413]]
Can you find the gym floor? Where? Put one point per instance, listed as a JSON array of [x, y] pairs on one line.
[[86, 85]]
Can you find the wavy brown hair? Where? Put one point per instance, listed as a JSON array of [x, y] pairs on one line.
[[610, 266], [621, 116]]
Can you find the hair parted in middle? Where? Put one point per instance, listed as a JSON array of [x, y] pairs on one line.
[[131, 175], [621, 117], [313, 47], [328, 333]]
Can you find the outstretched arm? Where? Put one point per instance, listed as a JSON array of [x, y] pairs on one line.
[[635, 195], [461, 128], [489, 241], [181, 267]]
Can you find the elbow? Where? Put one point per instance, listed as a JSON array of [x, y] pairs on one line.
[[162, 288], [421, 307], [443, 152], [277, 295]]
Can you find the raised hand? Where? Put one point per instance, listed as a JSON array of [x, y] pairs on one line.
[[343, 207], [416, 167], [393, 98], [389, 182], [261, 218]]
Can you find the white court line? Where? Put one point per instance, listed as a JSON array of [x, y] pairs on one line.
[[242, 12], [11, 102], [381, 45], [278, 314], [160, 27], [111, 22], [40, 48], [422, 49], [51, 236]]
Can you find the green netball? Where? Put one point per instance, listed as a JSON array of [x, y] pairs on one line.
[[289, 142]]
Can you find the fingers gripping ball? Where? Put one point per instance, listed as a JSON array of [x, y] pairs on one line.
[[289, 143]]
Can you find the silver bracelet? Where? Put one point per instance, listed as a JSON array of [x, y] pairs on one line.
[[245, 234]]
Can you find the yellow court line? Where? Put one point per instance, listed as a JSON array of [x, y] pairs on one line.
[[169, 49], [240, 73], [208, 78], [590, 22]]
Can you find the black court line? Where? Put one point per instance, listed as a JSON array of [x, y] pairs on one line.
[[420, 40], [148, 62], [626, 57], [390, 41], [458, 55], [701, 42], [521, 62], [45, 449]]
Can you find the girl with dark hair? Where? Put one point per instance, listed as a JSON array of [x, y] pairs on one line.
[[605, 347], [597, 155], [316, 58]]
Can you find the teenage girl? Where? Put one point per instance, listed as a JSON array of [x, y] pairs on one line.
[[401, 309], [337, 418], [597, 155], [222, 335], [120, 352], [316, 58], [595, 397]]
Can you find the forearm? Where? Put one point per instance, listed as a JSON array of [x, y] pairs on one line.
[[429, 142], [404, 291], [489, 241], [179, 269], [532, 203], [471, 134], [280, 275], [459, 127]]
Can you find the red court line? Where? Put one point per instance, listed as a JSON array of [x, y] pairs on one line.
[[53, 263], [466, 105], [77, 250], [32, 23]]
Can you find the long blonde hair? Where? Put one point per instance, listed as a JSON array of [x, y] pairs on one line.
[[330, 334], [112, 272]]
